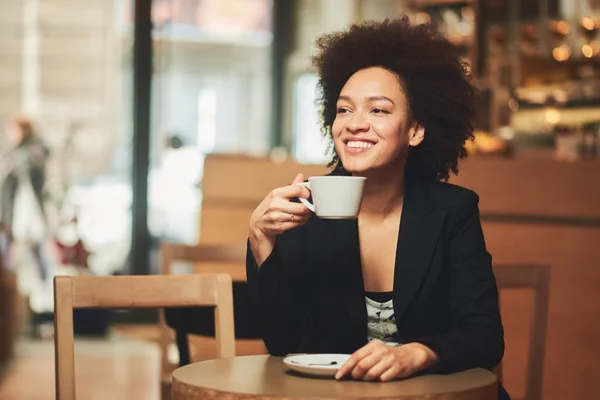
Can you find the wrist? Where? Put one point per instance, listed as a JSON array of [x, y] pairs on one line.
[[257, 235], [258, 238], [261, 245], [426, 356]]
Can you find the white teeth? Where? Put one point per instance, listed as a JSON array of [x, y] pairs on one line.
[[359, 144]]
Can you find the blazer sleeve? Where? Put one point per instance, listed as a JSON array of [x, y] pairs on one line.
[[278, 290], [476, 337]]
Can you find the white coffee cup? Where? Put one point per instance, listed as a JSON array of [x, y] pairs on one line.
[[335, 197]]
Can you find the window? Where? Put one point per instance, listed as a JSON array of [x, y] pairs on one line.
[[309, 145]]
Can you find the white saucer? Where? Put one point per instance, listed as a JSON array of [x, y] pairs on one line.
[[316, 364]]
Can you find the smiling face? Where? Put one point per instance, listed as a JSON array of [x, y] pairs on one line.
[[372, 129]]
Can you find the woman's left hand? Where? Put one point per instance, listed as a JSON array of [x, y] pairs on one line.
[[377, 361]]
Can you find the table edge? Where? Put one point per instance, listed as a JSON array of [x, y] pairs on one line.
[[210, 393]]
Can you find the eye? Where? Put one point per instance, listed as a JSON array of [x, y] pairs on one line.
[[342, 110], [380, 111]]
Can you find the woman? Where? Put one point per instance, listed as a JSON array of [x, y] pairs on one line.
[[25, 170], [408, 287]]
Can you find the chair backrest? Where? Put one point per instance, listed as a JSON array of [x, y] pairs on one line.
[[208, 258], [229, 253], [135, 292], [537, 278]]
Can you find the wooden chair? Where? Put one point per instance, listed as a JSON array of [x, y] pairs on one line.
[[206, 258], [537, 278], [135, 292], [229, 257]]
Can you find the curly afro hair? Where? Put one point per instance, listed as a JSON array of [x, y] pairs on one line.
[[435, 80]]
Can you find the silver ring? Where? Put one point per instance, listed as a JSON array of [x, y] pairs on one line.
[[293, 216]]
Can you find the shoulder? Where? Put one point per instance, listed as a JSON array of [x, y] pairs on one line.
[[452, 198], [460, 205]]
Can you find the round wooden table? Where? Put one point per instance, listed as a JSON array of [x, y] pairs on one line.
[[265, 377]]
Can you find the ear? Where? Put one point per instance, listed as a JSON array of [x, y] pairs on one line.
[[416, 134]]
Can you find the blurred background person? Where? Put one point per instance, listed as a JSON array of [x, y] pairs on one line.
[[22, 212]]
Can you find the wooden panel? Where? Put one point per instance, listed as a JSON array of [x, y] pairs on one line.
[[249, 178], [533, 186], [144, 291], [222, 224], [233, 187], [236, 270], [223, 252], [572, 347], [506, 186], [205, 348]]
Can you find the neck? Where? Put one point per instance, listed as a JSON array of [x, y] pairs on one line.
[[383, 194]]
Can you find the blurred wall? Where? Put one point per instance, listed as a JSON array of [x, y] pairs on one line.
[[59, 65], [68, 65], [11, 41]]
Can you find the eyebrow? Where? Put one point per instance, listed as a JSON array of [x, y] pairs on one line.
[[370, 98]]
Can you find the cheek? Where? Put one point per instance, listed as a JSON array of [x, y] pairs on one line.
[[391, 132], [336, 128]]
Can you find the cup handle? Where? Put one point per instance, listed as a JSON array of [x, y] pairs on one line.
[[307, 203]]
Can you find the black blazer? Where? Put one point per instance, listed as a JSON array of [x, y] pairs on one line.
[[310, 297]]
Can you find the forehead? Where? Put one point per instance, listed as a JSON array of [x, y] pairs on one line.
[[373, 81]]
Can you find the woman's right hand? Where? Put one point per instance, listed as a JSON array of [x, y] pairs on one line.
[[277, 214]]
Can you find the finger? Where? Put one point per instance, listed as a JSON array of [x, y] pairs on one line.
[[296, 218], [276, 217], [287, 206], [304, 193], [287, 192], [364, 365], [378, 369], [394, 372], [276, 222], [346, 367], [281, 227], [299, 178], [293, 219], [354, 359]]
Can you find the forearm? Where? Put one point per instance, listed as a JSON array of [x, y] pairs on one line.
[[281, 313], [261, 246], [465, 348]]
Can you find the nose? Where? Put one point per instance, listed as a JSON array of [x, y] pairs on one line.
[[358, 123]]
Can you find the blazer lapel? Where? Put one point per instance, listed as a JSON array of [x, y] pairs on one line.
[[420, 228]]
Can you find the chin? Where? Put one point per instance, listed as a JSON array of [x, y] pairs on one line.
[[366, 167], [358, 166]]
